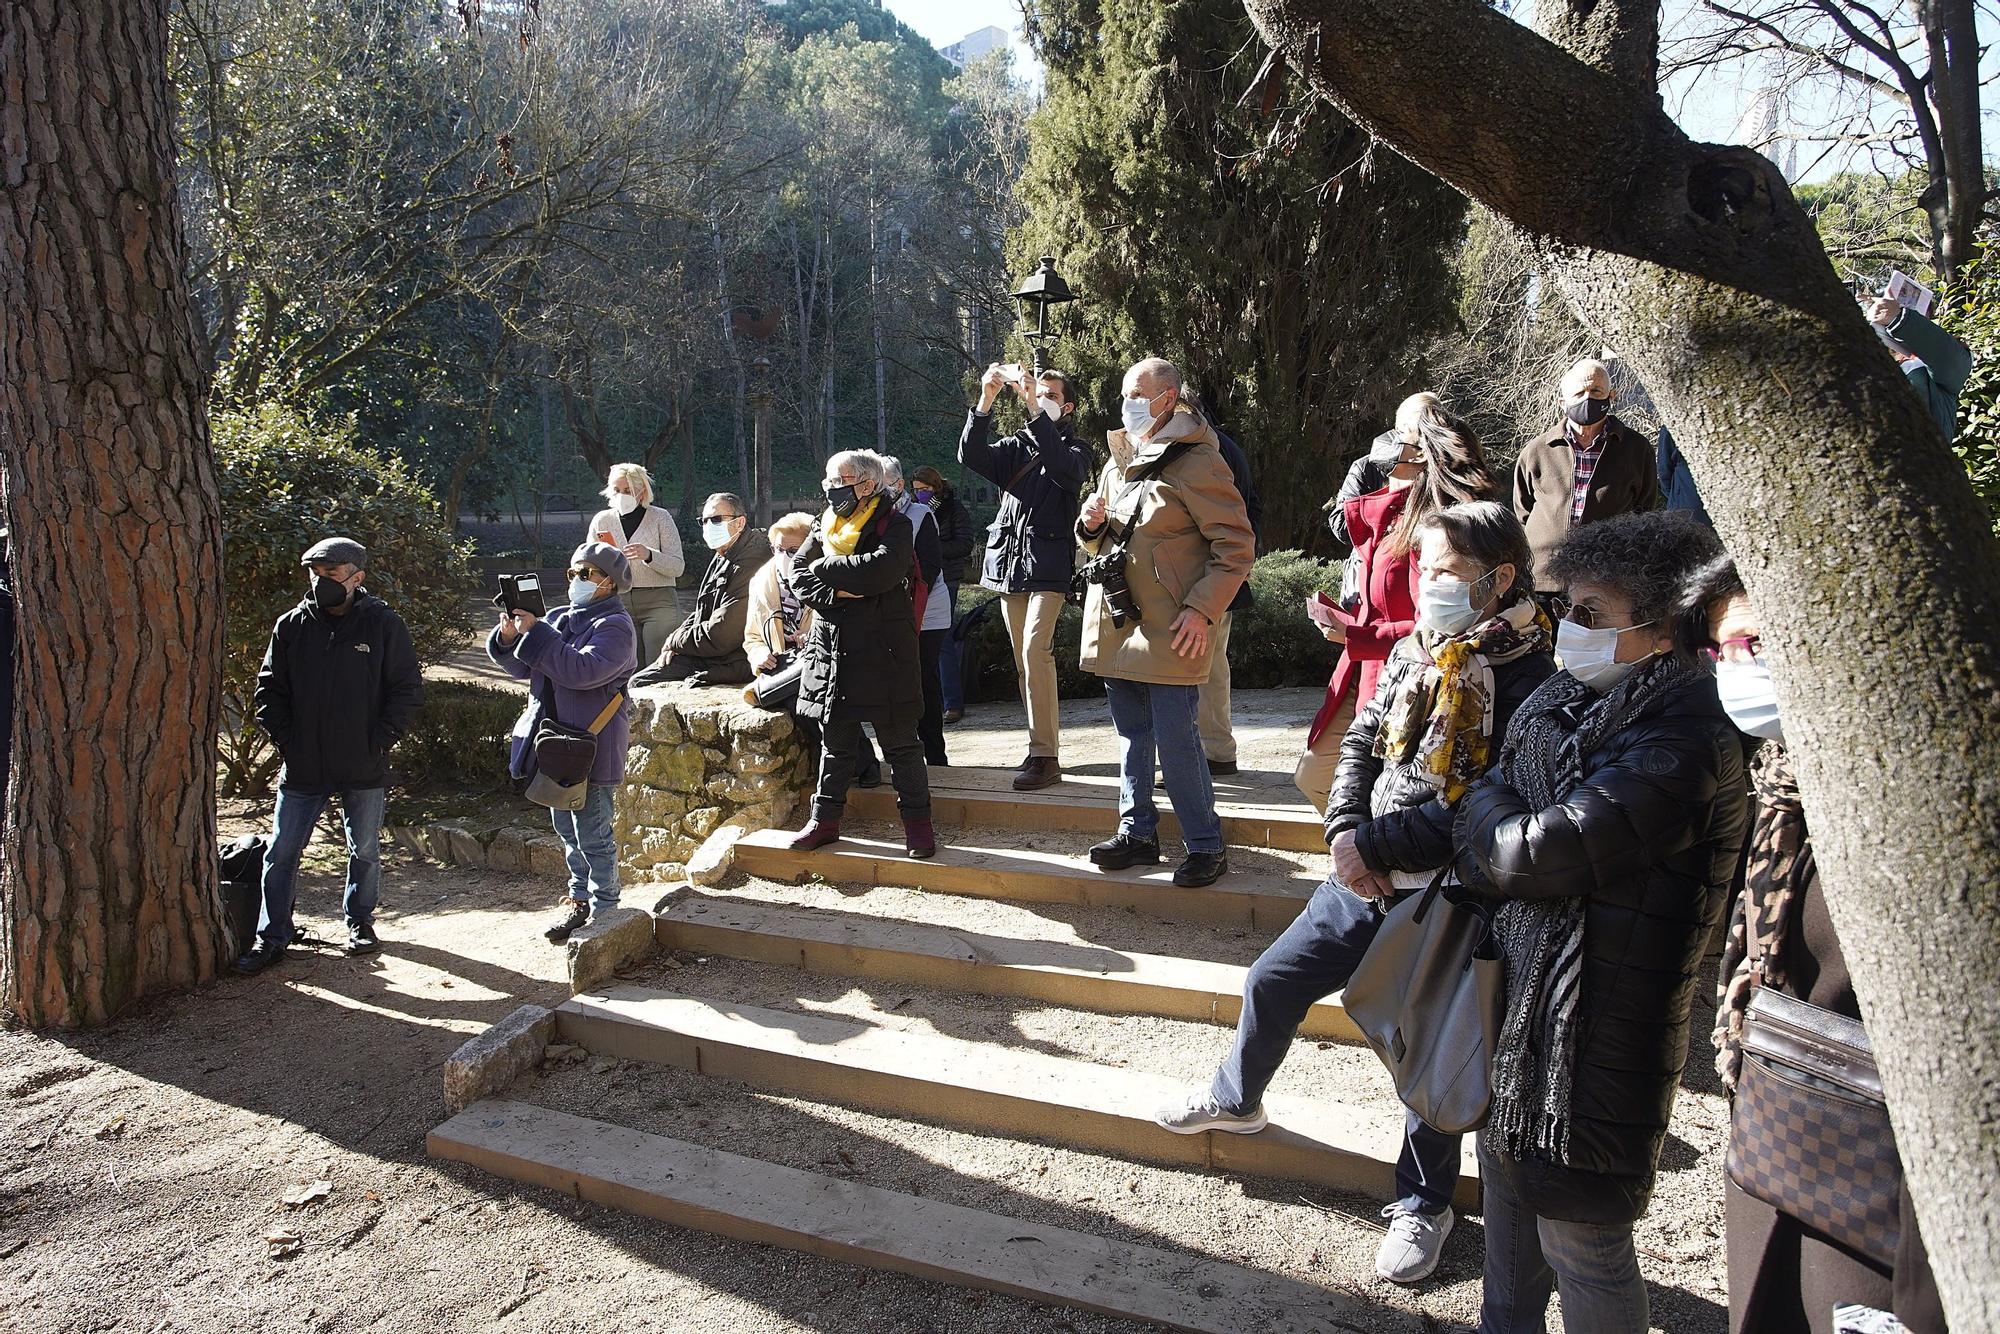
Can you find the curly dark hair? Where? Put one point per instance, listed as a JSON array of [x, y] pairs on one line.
[[1647, 557], [1710, 583]]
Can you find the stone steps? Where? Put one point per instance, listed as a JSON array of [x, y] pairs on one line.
[[1088, 977], [691, 1186], [982, 1087], [985, 798], [1264, 900]]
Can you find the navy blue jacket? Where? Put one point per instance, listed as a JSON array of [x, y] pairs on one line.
[[1677, 487], [1031, 545], [1253, 504], [335, 692]]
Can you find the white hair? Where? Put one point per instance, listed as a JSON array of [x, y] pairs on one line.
[[1411, 411], [1591, 369], [1159, 370], [634, 476], [866, 463], [892, 469]]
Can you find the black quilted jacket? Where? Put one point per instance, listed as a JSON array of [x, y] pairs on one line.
[[1650, 839]]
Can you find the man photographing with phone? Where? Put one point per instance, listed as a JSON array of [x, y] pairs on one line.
[[1030, 552]]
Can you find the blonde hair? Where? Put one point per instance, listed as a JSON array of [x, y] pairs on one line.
[[634, 476], [797, 522]]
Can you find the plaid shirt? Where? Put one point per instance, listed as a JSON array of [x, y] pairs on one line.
[[1587, 458]]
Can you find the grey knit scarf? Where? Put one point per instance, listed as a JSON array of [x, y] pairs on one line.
[[1541, 940]]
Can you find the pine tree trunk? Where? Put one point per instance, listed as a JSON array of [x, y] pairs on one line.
[[1872, 565], [107, 873]]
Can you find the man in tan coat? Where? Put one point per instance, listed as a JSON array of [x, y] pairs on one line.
[[1168, 503]]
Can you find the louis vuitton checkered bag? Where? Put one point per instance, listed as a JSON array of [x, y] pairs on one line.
[[1809, 1134]]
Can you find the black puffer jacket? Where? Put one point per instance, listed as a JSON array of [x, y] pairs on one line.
[[1650, 839], [1400, 822], [1366, 475], [861, 656]]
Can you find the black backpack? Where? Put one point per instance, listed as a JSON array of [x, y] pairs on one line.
[[242, 867]]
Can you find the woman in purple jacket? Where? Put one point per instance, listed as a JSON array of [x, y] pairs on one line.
[[575, 663]]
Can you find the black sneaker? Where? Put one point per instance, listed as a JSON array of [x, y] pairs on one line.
[[574, 915], [261, 956], [1201, 868], [361, 938], [1122, 850]]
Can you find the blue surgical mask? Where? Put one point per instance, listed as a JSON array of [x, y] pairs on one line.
[[1591, 656], [1750, 698], [1138, 417], [581, 591], [715, 532]]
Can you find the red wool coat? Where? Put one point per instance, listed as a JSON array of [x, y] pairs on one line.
[[1388, 609]]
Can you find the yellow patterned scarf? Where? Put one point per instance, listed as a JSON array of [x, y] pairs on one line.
[[1445, 711], [840, 536]]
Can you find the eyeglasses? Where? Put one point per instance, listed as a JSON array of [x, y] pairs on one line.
[[788, 551], [1744, 648], [1584, 618], [719, 518]]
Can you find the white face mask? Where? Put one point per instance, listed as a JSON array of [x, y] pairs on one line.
[[624, 502], [1591, 656], [1750, 698], [1138, 417], [716, 534], [1050, 408], [1446, 606], [581, 591]]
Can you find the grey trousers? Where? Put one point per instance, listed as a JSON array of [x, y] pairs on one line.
[[655, 613]]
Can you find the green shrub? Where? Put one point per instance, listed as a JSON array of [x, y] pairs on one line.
[[1271, 643], [1972, 311], [286, 481], [459, 740]]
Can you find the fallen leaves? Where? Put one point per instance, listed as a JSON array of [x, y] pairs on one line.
[[309, 1192], [283, 1242]]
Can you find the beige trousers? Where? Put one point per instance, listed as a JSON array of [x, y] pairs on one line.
[[1218, 741], [1031, 628], [1317, 762]]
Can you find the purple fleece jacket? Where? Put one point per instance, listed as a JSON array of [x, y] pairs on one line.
[[586, 653]]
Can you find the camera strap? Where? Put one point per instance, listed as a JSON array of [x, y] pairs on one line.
[[1152, 470]]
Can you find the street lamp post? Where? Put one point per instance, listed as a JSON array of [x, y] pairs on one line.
[[760, 446], [1040, 290]]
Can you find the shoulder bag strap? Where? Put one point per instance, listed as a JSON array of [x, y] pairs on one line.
[[617, 703], [1146, 474]]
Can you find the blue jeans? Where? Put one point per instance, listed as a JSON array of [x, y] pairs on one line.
[[1593, 1264], [589, 849], [297, 813], [1312, 959], [949, 660], [1159, 722]]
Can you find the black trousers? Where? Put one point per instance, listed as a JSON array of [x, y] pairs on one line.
[[840, 750], [930, 646]]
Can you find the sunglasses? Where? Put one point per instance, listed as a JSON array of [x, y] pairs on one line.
[[584, 572]]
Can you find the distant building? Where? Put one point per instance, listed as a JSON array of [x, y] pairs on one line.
[[974, 45]]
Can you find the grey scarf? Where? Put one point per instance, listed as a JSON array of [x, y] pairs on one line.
[[1541, 940]]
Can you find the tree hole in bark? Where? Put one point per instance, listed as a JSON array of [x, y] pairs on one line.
[[1729, 188]]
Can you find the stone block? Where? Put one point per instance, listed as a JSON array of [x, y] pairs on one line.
[[712, 860], [684, 769], [545, 855], [509, 849], [488, 1063], [611, 941], [753, 761], [747, 790], [410, 838], [704, 725], [701, 822], [649, 807], [770, 814], [454, 842]]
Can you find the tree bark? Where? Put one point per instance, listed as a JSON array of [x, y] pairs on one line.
[[1873, 567], [1956, 195], [107, 863]]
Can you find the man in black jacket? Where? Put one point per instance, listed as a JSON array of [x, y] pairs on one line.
[[708, 645], [1031, 547], [339, 686]]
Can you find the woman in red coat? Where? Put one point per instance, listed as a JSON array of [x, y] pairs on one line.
[[1442, 464]]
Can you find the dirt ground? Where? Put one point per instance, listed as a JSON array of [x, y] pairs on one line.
[[142, 1167]]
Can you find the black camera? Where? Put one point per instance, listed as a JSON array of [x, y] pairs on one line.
[[1108, 573]]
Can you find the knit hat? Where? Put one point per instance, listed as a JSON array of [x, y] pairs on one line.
[[605, 557]]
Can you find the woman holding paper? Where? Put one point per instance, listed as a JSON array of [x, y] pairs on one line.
[[1442, 465]]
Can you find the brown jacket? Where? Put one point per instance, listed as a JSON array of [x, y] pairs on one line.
[[1626, 482], [1192, 547]]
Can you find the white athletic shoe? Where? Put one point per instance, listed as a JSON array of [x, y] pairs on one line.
[[1199, 1111], [1409, 1254]]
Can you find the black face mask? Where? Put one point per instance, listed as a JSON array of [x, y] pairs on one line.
[[1589, 412], [328, 593], [842, 500]]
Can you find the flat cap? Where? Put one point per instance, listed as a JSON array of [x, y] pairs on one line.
[[336, 551]]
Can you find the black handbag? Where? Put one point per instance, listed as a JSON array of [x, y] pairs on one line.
[[1809, 1132], [564, 756]]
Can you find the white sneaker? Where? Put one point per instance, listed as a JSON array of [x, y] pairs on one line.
[[1409, 1254], [1199, 1111]]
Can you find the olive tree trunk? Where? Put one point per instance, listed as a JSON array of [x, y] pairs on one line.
[[107, 866], [1873, 567]]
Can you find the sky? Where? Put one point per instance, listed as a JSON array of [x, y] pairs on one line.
[[942, 22]]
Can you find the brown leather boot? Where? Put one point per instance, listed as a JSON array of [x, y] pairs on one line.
[[1038, 771], [816, 834]]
